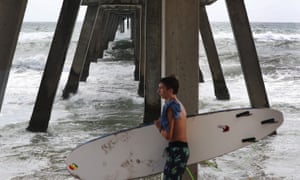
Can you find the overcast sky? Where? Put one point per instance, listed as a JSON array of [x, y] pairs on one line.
[[258, 10]]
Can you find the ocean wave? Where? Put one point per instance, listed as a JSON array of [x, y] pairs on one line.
[[262, 36], [36, 62], [271, 36], [223, 35], [35, 36]]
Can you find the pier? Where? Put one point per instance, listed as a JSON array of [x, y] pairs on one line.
[[165, 37]]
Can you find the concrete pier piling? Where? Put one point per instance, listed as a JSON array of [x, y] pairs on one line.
[[128, 22], [221, 91], [247, 52], [142, 58], [54, 65], [96, 38], [81, 51], [153, 60], [112, 28], [122, 24], [180, 52], [97, 32], [180, 48], [11, 18], [136, 38]]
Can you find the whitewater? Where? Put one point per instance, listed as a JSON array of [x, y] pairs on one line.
[[108, 102]]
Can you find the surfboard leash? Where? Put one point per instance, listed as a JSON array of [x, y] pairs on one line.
[[190, 173]]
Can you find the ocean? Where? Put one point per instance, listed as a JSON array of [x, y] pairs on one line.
[[108, 102]]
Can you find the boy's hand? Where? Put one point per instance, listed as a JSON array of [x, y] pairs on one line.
[[157, 123]]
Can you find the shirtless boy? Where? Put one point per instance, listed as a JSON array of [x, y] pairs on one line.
[[172, 126]]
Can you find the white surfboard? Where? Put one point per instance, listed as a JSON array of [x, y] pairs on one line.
[[139, 152]]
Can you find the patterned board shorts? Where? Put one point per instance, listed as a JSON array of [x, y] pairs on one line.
[[178, 155]]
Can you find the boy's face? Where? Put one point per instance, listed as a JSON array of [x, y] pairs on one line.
[[163, 91]]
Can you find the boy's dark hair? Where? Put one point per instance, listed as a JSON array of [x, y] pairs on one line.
[[171, 83]]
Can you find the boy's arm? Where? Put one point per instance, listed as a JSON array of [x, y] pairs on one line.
[[169, 134]]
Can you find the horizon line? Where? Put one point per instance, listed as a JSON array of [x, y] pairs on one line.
[[80, 21]]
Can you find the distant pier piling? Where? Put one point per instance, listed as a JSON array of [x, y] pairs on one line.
[[81, 51], [136, 38], [97, 32], [122, 24], [128, 22], [142, 59], [96, 39], [11, 18], [112, 29]]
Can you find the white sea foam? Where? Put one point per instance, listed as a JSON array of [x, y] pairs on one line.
[[265, 36], [271, 36], [26, 37]]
